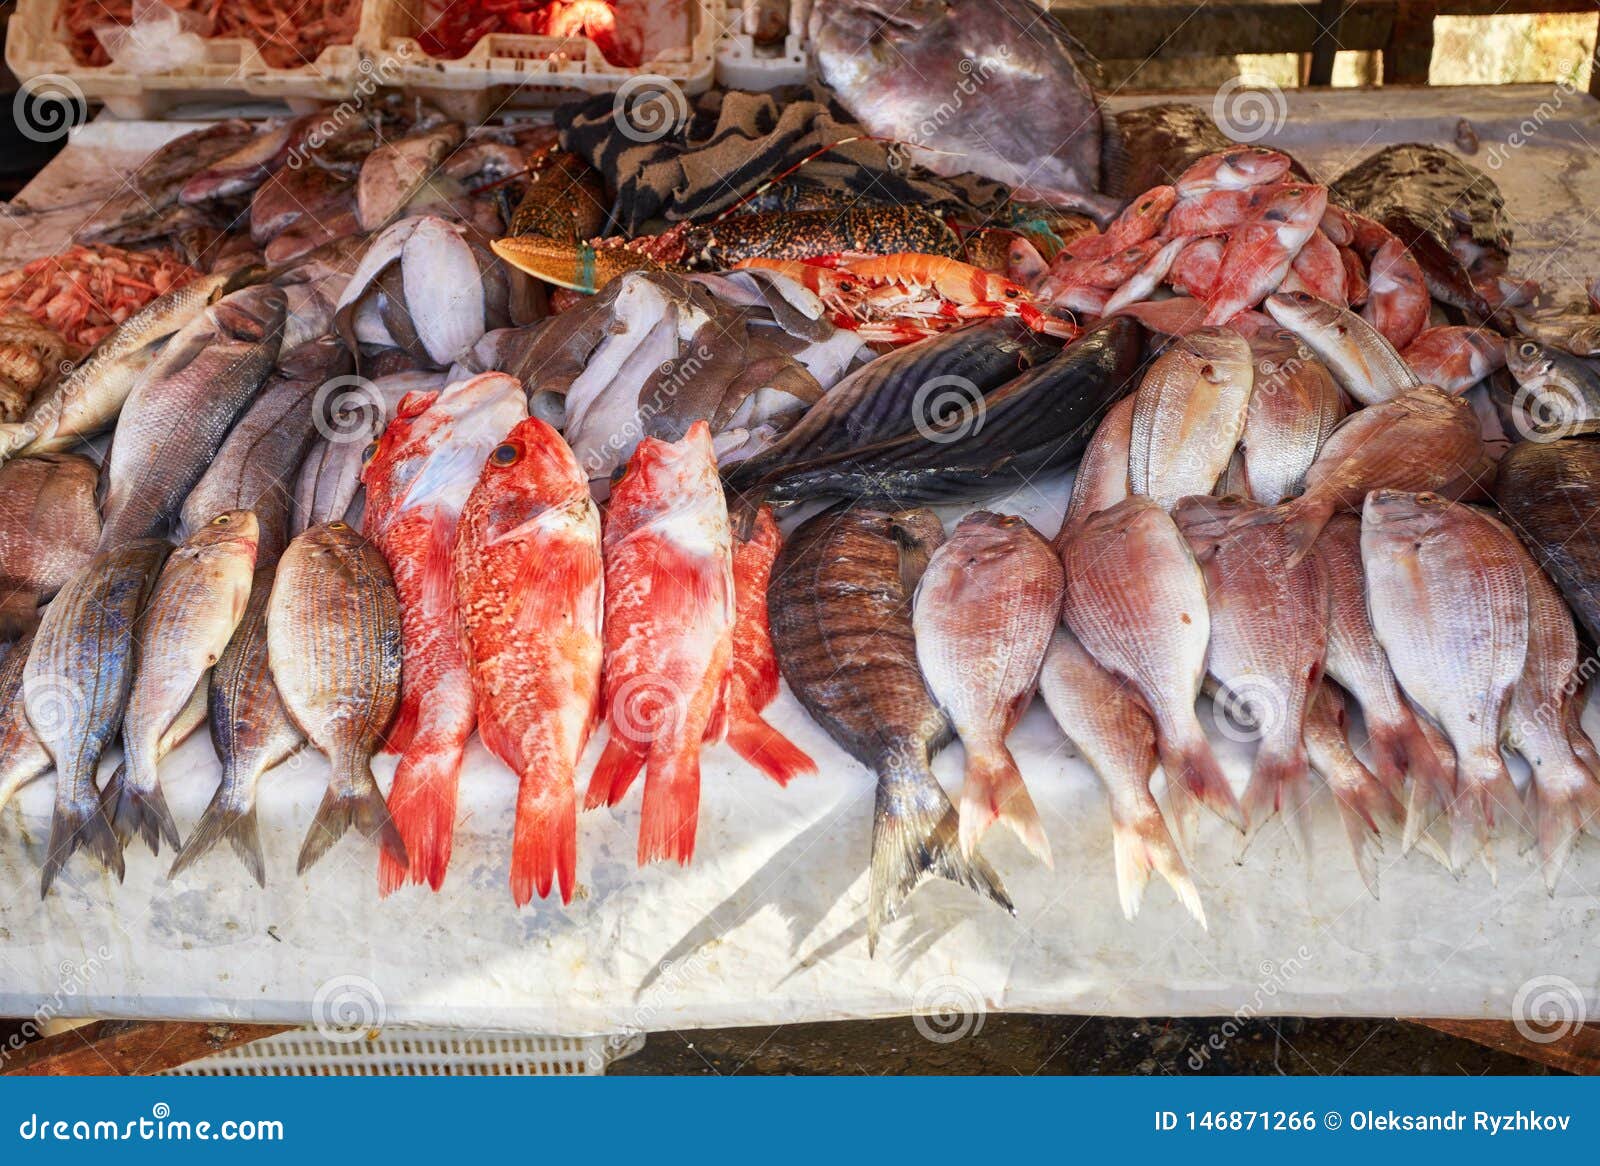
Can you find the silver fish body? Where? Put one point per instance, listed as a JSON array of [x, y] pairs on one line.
[[1294, 407], [1364, 363], [75, 687], [175, 420], [1188, 415], [349, 419]]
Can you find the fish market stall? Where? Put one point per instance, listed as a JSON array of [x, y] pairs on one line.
[[768, 922]]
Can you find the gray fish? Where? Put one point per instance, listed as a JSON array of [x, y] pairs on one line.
[[151, 192], [350, 418], [175, 420], [1549, 492], [1575, 329], [257, 466], [1364, 363], [333, 644], [900, 69], [75, 686], [22, 758], [196, 604], [48, 529], [1558, 393], [840, 607], [252, 733], [89, 398], [395, 171]]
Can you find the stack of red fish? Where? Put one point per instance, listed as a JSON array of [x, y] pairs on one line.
[[1234, 228]]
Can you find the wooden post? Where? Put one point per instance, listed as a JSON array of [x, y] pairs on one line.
[[1409, 53], [1330, 14]]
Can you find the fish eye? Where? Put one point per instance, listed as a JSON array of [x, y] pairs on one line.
[[506, 454], [367, 454], [337, 526], [1528, 350], [1303, 297], [221, 520], [1013, 292]]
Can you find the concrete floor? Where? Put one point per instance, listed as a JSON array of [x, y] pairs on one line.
[[1075, 1044]]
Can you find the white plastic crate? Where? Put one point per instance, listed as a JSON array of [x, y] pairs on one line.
[[311, 1052], [233, 68], [504, 72], [743, 64]]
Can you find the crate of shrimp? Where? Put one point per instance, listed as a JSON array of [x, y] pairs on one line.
[[145, 58], [476, 58]]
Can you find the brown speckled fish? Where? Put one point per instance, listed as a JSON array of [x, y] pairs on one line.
[[983, 615], [333, 644], [1137, 601], [1448, 593], [840, 606], [1111, 730], [75, 687], [1269, 633]]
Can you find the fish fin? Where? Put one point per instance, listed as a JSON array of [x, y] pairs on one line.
[[671, 807], [1184, 810], [1281, 783], [225, 819], [914, 837], [994, 792], [767, 749], [1480, 802], [620, 762], [544, 848], [1393, 747], [1195, 766], [438, 572], [358, 804], [1303, 519], [145, 814], [1426, 804], [1142, 843], [1365, 811], [81, 824], [1558, 816], [680, 577], [403, 729], [422, 803]]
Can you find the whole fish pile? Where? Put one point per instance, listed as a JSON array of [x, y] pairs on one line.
[[413, 446]]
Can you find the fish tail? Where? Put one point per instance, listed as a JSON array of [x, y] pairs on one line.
[[422, 802], [1426, 803], [1365, 810], [1141, 843], [671, 807], [1392, 751], [1482, 799], [1302, 519], [1189, 761], [915, 835], [767, 749], [353, 800], [141, 812], [1559, 811], [79, 823], [1281, 783], [544, 847], [228, 816], [994, 792], [620, 762]]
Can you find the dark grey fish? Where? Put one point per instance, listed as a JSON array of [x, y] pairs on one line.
[[840, 607], [975, 448], [75, 686], [1557, 393], [1549, 493], [252, 733]]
